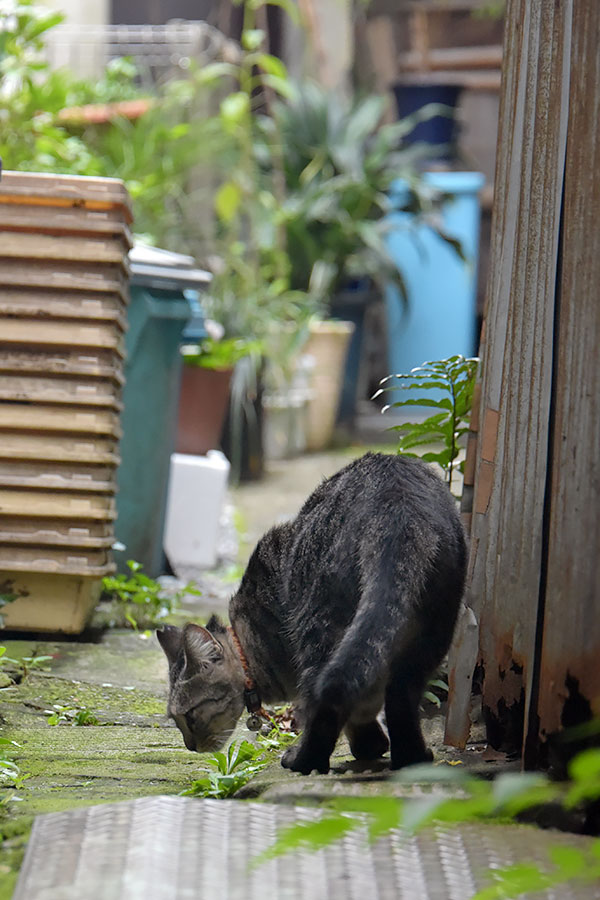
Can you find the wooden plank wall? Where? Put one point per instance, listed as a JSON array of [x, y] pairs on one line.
[[510, 478], [569, 674]]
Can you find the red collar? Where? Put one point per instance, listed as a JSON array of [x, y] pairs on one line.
[[251, 695]]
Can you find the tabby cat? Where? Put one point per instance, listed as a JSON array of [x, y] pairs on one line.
[[344, 610]]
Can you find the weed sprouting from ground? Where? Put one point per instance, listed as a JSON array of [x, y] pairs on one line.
[[18, 669], [10, 774], [226, 772], [70, 715]]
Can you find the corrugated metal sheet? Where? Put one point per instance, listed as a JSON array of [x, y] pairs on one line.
[[179, 848]]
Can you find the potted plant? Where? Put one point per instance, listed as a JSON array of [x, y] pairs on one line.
[[208, 367], [251, 294], [339, 163]]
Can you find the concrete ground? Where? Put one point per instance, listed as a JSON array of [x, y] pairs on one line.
[[121, 677]]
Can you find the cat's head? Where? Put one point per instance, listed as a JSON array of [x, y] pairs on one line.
[[206, 683]]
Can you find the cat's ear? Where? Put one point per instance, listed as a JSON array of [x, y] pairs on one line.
[[215, 626], [170, 639], [200, 647]]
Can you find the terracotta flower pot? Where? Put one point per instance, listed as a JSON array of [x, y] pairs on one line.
[[328, 346], [203, 402]]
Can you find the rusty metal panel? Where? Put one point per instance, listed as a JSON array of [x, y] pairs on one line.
[[517, 365], [570, 664]]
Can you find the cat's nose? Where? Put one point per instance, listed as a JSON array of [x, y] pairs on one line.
[[190, 742]]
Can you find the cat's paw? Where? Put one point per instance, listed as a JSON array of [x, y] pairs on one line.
[[299, 760], [400, 760], [367, 741]]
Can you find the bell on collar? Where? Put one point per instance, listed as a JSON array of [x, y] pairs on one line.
[[254, 722]]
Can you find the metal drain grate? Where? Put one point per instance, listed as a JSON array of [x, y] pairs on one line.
[[175, 848]]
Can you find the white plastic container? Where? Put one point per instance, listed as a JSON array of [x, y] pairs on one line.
[[197, 487]]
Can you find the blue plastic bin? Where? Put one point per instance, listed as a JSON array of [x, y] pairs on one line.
[[439, 319]]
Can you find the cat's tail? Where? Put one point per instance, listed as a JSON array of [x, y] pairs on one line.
[[390, 620]]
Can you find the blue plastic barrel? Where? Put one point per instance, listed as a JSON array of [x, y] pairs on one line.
[[439, 319]]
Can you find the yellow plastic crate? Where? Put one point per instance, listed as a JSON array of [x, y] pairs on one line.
[[58, 505], [88, 363], [57, 447], [56, 532], [40, 389], [25, 303], [49, 602], [49, 333], [40, 417], [61, 561], [58, 476]]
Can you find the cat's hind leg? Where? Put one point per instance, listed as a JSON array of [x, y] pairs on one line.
[[366, 736], [367, 739], [402, 698]]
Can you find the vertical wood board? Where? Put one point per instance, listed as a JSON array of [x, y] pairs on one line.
[[517, 366], [570, 663]]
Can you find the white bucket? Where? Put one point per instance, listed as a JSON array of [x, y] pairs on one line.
[[197, 487]]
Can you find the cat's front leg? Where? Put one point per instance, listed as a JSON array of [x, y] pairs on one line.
[[316, 744]]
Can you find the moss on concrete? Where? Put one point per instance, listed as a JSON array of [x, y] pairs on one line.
[[111, 705], [14, 834], [134, 752]]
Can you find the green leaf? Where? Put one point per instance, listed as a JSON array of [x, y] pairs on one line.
[[234, 108], [417, 440], [570, 861], [442, 457], [586, 765], [282, 86], [418, 813], [425, 383], [517, 786], [220, 762], [452, 242], [215, 71], [245, 751], [227, 201], [309, 836], [442, 403], [252, 38], [272, 65], [43, 24], [433, 698], [384, 813], [429, 431], [513, 881]]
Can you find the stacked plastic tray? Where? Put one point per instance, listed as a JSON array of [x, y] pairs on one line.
[[64, 278]]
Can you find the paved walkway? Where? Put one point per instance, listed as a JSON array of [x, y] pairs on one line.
[[120, 677]]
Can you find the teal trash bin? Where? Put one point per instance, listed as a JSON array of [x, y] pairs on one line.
[[439, 319], [157, 315]]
